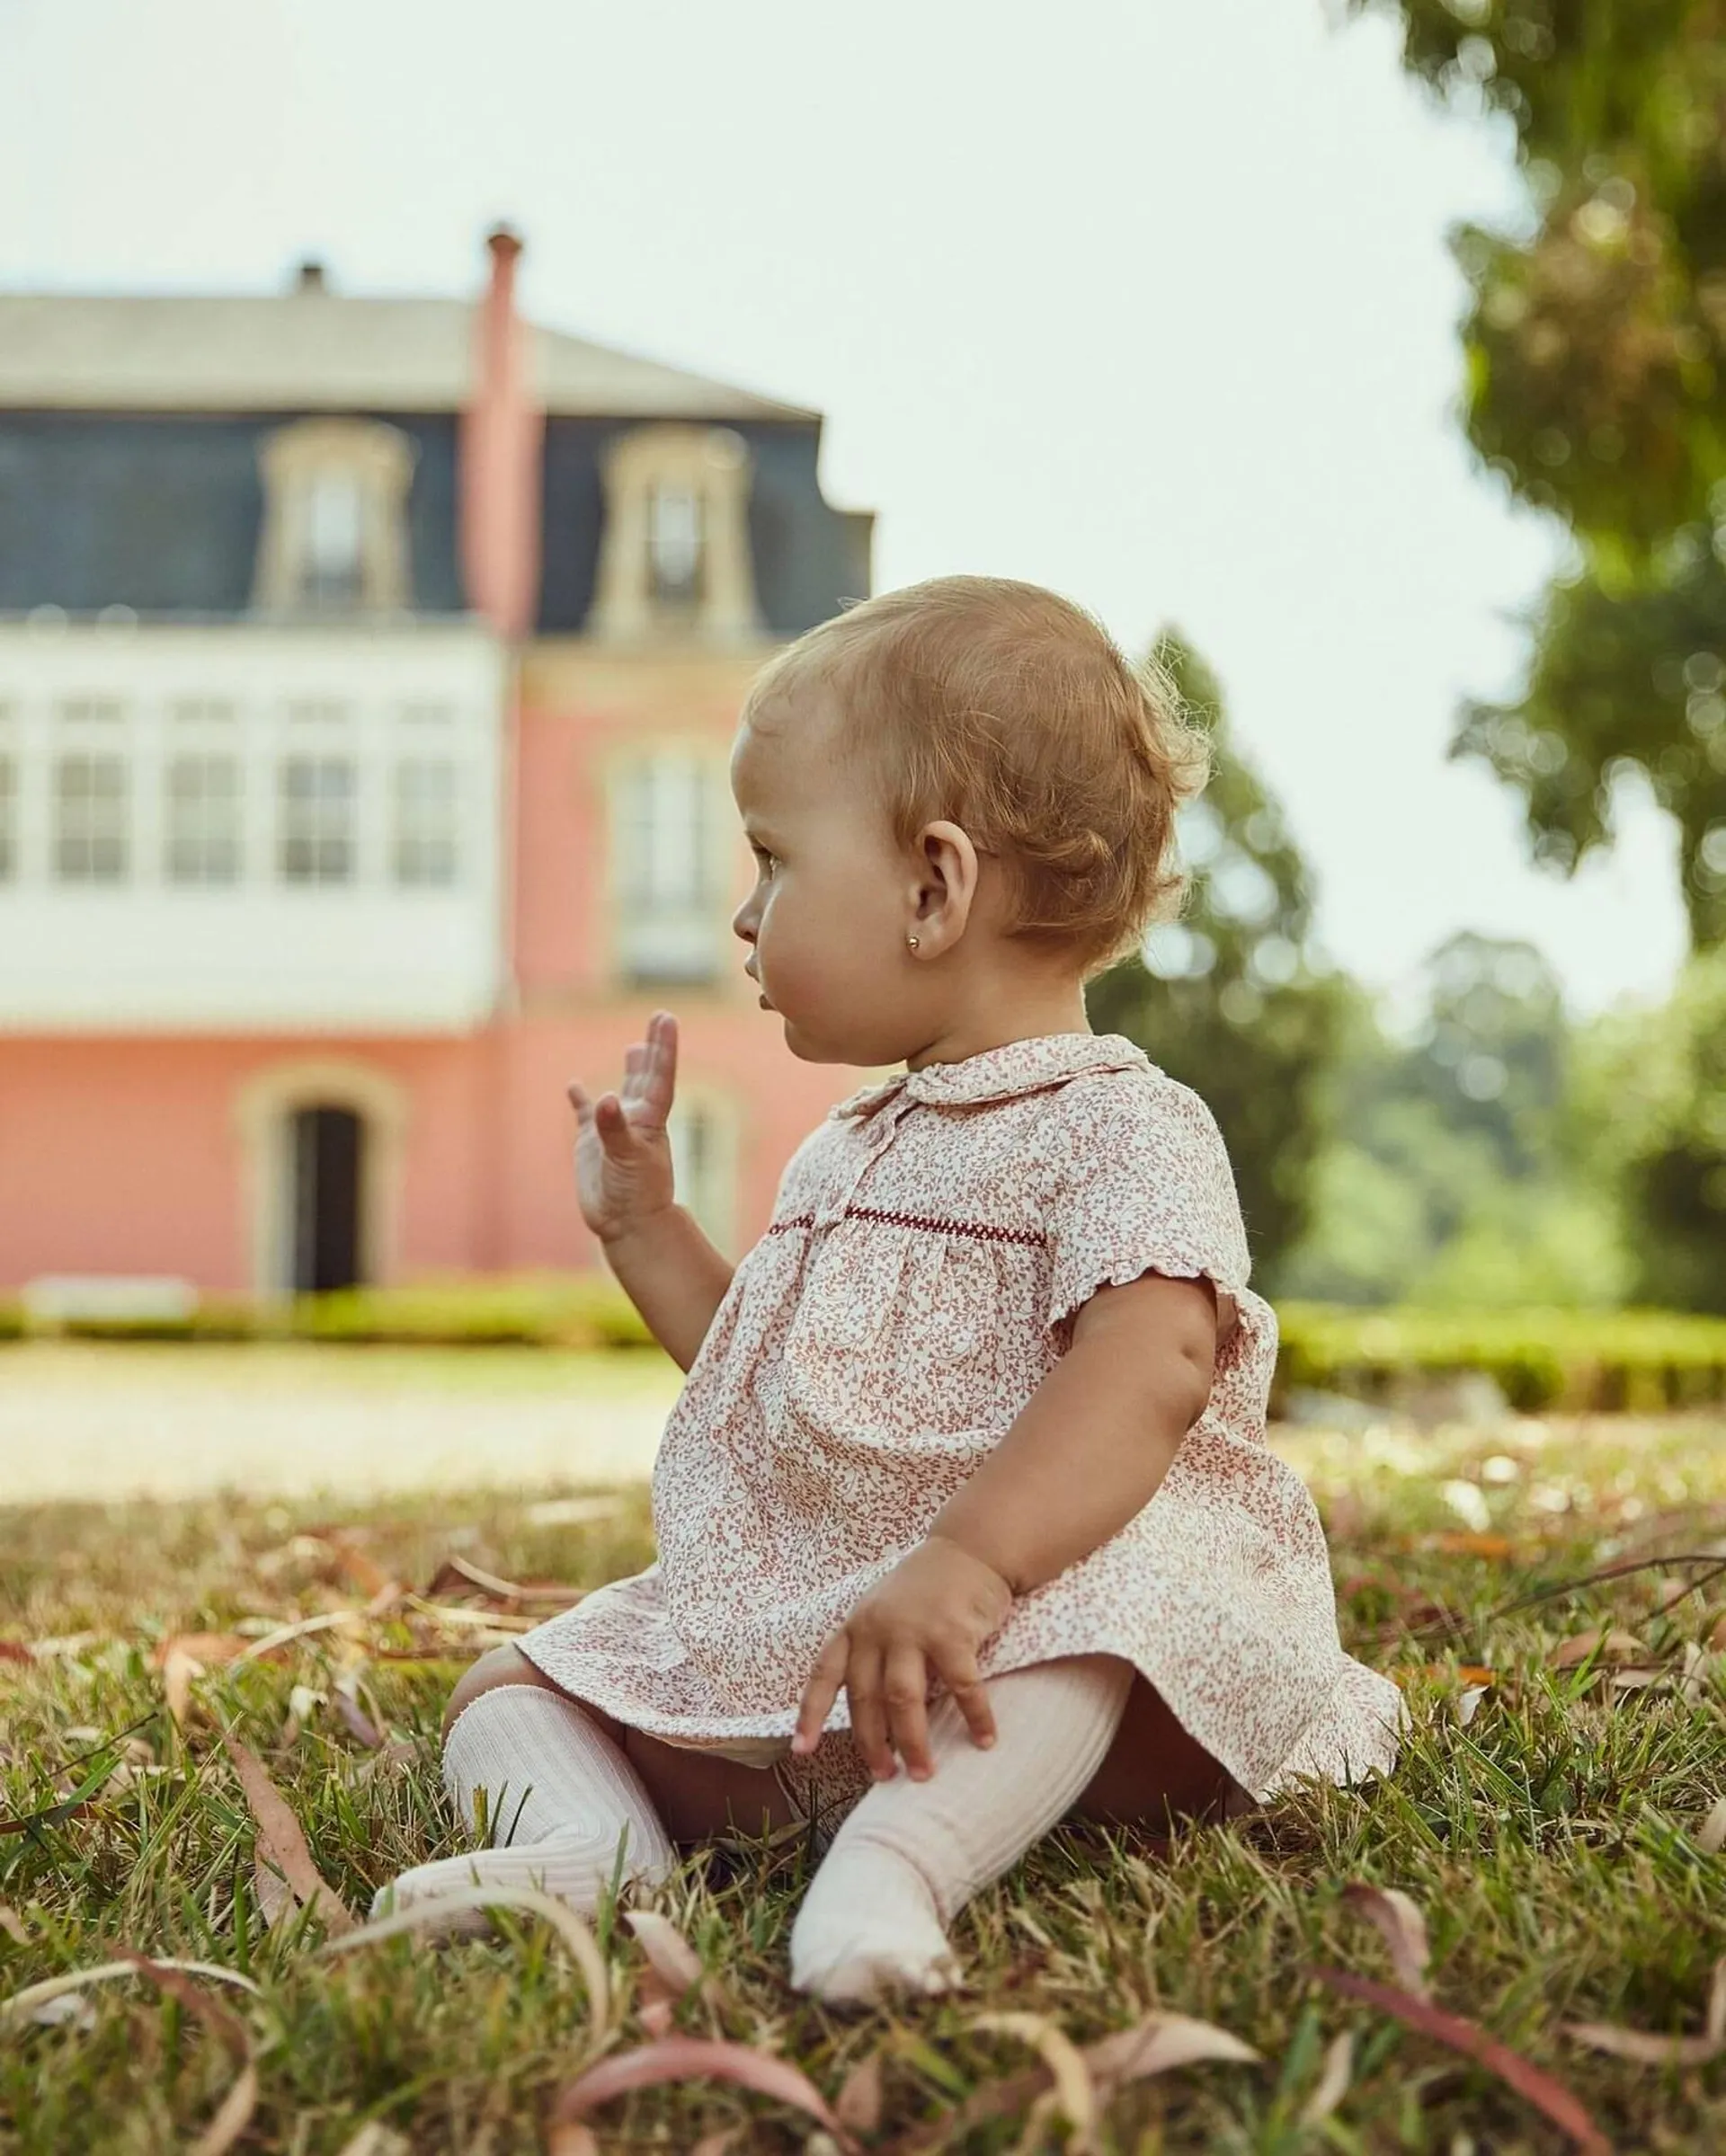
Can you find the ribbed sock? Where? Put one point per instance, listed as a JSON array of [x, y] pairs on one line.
[[559, 1795], [912, 1854]]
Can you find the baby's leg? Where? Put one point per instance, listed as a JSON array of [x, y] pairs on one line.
[[564, 1783], [912, 1854], [560, 1800]]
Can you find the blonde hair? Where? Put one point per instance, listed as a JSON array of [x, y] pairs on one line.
[[1013, 713]]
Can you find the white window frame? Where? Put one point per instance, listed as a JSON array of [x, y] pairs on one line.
[[668, 856], [203, 838], [324, 824], [425, 826]]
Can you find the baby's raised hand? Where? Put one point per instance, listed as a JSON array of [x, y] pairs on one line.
[[623, 1155], [934, 1609]]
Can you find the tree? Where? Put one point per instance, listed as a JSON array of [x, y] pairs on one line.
[[1454, 1173], [1227, 1000], [1596, 387], [1653, 1100]]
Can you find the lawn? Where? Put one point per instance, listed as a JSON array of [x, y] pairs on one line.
[[1553, 1823]]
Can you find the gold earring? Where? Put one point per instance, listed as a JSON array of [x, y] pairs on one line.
[[912, 941]]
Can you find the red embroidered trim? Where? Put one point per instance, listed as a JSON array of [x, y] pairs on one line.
[[983, 1231]]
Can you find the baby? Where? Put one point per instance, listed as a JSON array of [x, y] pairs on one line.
[[966, 1518]]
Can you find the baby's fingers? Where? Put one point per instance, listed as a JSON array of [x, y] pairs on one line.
[[969, 1696], [819, 1694]]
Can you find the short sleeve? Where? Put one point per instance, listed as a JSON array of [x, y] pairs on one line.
[[1140, 1182]]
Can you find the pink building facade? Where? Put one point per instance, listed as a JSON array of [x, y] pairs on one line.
[[367, 674]]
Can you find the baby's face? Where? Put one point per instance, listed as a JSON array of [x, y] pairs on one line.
[[834, 897]]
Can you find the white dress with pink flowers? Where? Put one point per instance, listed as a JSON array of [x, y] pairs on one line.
[[932, 1241]]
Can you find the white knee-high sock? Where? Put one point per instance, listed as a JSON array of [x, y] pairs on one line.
[[559, 1795], [912, 1853]]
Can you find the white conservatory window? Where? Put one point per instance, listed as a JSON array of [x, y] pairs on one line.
[[91, 808], [315, 807], [425, 835], [203, 819], [667, 850]]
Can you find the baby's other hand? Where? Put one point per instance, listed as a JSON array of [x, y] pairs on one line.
[[622, 1154], [935, 1608]]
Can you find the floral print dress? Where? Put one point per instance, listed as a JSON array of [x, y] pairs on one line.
[[932, 1241]]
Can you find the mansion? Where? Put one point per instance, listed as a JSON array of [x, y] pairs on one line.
[[367, 674]]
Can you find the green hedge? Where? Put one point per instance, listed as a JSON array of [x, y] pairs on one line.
[[552, 1310], [1584, 1360], [1609, 1361]]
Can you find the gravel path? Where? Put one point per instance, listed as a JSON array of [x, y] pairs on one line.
[[105, 1422]]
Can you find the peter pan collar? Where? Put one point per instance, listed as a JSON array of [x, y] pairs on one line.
[[1001, 1073]]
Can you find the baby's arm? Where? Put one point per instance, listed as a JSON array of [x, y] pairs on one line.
[[674, 1277], [1097, 1436], [667, 1267]]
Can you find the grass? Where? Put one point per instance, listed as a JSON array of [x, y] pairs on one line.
[[1550, 1841]]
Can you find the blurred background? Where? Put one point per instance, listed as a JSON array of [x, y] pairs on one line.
[[415, 430]]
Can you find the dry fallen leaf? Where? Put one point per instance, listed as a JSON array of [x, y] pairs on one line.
[[1403, 1928], [458, 1573], [684, 2059], [710, 2144], [669, 1953], [376, 2139], [559, 1915], [14, 1925], [1156, 2045], [1649, 2050], [1074, 2090], [1611, 1650], [1468, 1543], [1710, 1835], [858, 2102], [1333, 2084], [286, 1849], [23, 2004], [1159, 2043], [1546, 2094], [235, 2113], [13, 1650]]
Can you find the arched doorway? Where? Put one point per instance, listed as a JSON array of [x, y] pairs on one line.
[[323, 1144], [326, 1149]]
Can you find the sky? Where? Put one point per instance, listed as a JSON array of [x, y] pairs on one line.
[[1145, 301]]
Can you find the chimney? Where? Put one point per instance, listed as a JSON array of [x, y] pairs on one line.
[[501, 430]]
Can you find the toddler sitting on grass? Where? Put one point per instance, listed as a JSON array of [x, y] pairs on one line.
[[966, 1518]]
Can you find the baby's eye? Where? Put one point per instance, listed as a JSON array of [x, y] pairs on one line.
[[766, 863]]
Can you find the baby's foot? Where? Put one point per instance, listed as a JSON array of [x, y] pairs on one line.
[[571, 1865], [868, 1927]]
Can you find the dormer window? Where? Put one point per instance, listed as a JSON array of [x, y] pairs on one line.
[[335, 536], [675, 558]]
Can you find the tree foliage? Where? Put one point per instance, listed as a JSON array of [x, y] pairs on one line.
[[1452, 1175], [1653, 1102], [1226, 998], [1596, 386]]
